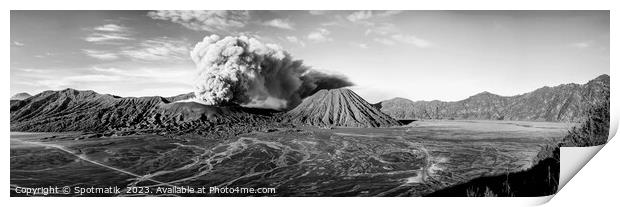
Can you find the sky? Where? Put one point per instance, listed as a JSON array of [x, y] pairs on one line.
[[419, 55]]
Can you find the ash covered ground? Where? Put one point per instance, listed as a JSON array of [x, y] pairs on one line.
[[412, 160]]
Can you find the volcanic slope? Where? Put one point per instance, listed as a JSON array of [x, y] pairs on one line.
[[566, 102], [338, 107], [74, 110]]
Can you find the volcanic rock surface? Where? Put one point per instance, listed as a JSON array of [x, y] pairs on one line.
[[566, 102], [73, 110], [338, 107]]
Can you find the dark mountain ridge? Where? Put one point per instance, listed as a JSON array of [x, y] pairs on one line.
[[73, 110], [20, 96], [566, 102]]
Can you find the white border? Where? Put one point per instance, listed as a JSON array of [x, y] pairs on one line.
[[595, 185]]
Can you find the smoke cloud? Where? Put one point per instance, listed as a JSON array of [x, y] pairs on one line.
[[242, 70]]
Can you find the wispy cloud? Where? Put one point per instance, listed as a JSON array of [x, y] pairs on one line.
[[32, 70], [388, 13], [158, 49], [100, 37], [103, 78], [163, 80], [582, 45], [295, 40], [19, 44], [382, 29], [200, 20], [108, 34], [367, 18], [390, 34], [160, 74], [320, 35], [405, 39], [384, 41], [360, 45], [72, 81], [359, 15], [101, 55], [161, 49], [331, 23], [318, 12], [413, 40], [280, 23], [44, 55], [111, 28]]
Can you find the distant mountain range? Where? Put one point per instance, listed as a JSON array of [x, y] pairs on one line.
[[20, 96], [566, 102], [338, 107]]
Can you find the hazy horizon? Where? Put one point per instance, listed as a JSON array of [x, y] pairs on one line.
[[418, 55]]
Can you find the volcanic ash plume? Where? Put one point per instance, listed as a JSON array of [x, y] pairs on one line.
[[242, 70]]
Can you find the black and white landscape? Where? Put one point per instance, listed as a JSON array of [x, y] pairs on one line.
[[158, 102]]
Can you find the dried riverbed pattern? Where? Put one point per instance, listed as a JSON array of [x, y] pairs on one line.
[[405, 161]]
